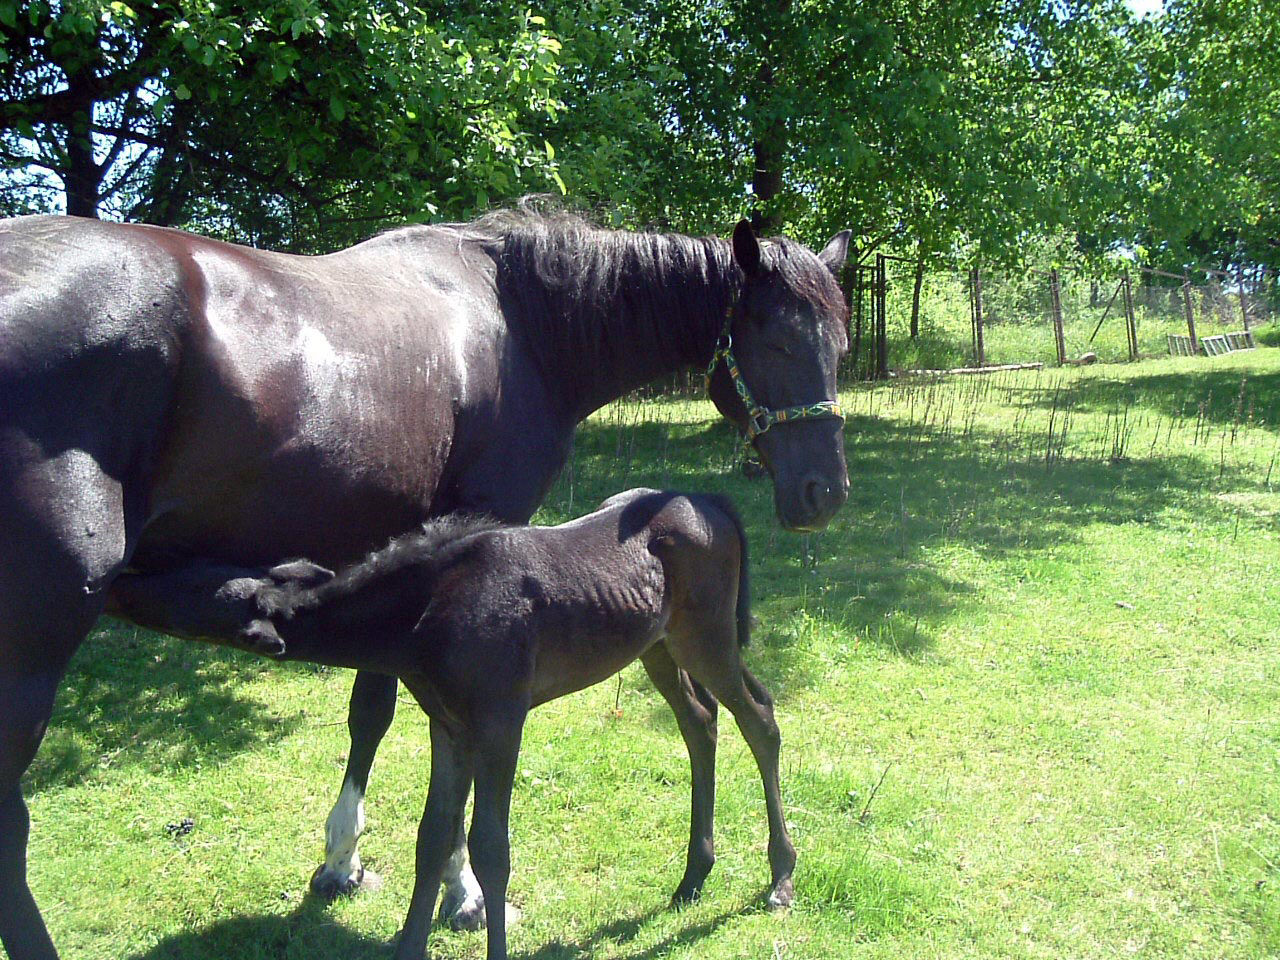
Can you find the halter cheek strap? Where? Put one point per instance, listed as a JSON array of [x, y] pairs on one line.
[[761, 418]]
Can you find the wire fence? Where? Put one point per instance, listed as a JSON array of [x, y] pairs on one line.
[[905, 318]]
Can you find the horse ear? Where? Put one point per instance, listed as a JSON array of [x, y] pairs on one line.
[[746, 248], [302, 572], [836, 252]]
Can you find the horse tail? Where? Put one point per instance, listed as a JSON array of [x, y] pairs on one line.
[[743, 612]]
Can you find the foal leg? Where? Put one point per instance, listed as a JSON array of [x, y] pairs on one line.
[[369, 716], [497, 746], [462, 905], [715, 659], [695, 711], [371, 710], [451, 773]]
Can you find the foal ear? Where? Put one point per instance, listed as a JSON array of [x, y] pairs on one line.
[[746, 249], [302, 572], [836, 252]]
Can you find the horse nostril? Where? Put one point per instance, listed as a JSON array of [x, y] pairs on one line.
[[817, 494]]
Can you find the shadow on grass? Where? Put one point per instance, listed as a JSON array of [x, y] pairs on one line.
[[621, 933], [308, 932], [132, 697], [1217, 395]]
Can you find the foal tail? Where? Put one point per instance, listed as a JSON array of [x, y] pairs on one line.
[[743, 612]]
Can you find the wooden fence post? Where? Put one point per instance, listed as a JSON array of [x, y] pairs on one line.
[[1191, 313], [1130, 322], [1055, 298], [979, 346], [882, 334]]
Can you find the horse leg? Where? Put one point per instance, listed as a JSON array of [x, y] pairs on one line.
[[462, 905], [715, 660], [62, 532], [695, 711], [497, 747], [451, 773], [26, 702], [371, 710]]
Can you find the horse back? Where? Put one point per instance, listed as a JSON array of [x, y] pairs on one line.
[[267, 404]]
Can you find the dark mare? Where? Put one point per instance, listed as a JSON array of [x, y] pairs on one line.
[[165, 397], [483, 622]]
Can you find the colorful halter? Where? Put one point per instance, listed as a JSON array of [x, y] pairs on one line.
[[759, 418]]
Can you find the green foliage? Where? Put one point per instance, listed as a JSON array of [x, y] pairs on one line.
[[1214, 193], [980, 131], [290, 124]]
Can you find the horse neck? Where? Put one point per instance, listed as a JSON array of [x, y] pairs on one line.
[[640, 307]]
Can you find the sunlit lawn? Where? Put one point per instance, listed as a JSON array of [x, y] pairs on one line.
[[1028, 684]]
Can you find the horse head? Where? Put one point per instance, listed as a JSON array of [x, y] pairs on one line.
[[774, 371]]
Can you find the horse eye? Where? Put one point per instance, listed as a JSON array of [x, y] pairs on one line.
[[781, 348]]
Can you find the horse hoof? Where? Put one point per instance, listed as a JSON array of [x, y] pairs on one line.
[[781, 896], [471, 916], [330, 884], [683, 898]]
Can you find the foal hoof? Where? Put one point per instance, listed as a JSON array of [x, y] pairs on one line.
[[331, 884], [683, 898], [781, 896]]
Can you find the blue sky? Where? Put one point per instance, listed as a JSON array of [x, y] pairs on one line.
[[1142, 7]]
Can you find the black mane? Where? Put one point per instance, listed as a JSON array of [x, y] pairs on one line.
[[591, 304], [584, 299], [603, 311]]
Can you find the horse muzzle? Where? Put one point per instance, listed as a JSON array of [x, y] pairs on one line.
[[808, 505]]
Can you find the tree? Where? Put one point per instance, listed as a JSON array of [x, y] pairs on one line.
[[1214, 187], [957, 122], [261, 121]]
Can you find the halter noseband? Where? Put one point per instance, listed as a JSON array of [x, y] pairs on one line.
[[760, 418]]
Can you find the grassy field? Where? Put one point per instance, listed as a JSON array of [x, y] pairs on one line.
[[1018, 326], [1028, 685]]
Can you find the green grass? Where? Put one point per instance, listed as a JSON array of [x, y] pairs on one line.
[[1027, 684]]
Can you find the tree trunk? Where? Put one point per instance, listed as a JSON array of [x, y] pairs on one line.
[[81, 178], [915, 298], [769, 144]]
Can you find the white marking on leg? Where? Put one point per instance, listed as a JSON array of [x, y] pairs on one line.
[[463, 902], [342, 832]]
